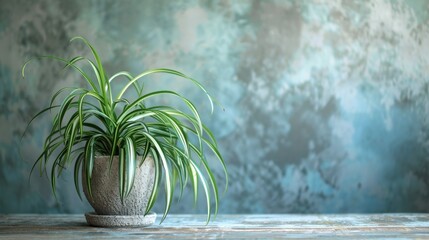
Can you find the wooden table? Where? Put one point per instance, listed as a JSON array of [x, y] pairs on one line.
[[415, 226]]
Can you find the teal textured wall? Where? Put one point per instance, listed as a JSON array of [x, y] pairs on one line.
[[326, 102]]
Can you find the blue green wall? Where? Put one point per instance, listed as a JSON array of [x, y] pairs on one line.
[[326, 102]]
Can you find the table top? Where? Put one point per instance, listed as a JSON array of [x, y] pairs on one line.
[[350, 226]]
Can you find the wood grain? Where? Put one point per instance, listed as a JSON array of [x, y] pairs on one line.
[[63, 226]]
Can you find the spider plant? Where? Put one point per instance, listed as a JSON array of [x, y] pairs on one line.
[[98, 121]]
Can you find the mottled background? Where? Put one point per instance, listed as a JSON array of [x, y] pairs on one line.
[[326, 102]]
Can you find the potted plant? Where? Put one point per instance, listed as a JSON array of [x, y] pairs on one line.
[[124, 149]]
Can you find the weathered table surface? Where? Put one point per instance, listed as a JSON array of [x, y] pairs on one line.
[[350, 226]]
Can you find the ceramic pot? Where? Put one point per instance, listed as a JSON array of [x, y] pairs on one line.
[[105, 187]]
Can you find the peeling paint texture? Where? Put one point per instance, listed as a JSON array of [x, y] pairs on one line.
[[326, 102]]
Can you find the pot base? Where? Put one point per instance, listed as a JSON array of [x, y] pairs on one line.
[[96, 220]]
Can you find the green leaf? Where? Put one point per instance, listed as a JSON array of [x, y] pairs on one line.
[[86, 77], [168, 185], [168, 71], [130, 165], [97, 58], [122, 174], [76, 173], [156, 183], [89, 161], [211, 177], [138, 89], [215, 150], [206, 189]]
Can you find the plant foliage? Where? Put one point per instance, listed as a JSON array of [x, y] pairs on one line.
[[95, 121]]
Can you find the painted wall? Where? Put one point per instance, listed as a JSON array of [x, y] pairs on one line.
[[326, 102]]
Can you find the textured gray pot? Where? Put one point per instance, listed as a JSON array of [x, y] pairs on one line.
[[105, 188]]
